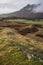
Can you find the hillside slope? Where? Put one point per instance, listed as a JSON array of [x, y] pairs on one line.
[[28, 12]]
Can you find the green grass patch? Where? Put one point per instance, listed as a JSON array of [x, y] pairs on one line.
[[25, 21]]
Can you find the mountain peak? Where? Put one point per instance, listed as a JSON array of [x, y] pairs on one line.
[[28, 12], [30, 7]]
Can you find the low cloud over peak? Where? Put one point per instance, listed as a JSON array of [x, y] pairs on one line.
[[15, 5]]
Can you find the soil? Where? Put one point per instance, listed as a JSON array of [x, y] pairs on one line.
[[24, 28]]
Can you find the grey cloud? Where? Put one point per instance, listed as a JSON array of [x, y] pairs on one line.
[[8, 5], [18, 4]]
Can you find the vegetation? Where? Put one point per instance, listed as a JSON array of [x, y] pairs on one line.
[[13, 46], [25, 21], [15, 56]]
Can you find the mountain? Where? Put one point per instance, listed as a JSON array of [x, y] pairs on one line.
[[28, 12]]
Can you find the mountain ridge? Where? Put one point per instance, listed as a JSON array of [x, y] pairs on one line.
[[27, 12]]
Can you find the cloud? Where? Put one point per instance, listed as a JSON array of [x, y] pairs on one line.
[[6, 10], [5, 1], [15, 5]]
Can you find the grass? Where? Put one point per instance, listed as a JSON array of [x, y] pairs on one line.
[[15, 56], [1, 41], [10, 42], [25, 21]]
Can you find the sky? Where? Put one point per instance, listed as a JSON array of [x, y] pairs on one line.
[[7, 6]]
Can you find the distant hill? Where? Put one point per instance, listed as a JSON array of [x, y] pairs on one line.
[[27, 12]]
